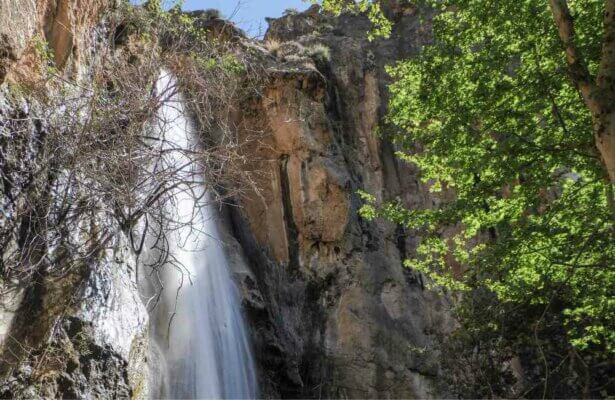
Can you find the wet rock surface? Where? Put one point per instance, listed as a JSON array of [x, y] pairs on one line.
[[84, 336]]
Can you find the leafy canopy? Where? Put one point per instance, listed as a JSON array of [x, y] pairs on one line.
[[382, 26]]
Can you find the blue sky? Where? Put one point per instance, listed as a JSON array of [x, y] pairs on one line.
[[249, 15]]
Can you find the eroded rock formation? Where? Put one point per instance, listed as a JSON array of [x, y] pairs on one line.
[[332, 310], [344, 317]]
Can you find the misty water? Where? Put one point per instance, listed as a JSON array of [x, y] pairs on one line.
[[197, 324]]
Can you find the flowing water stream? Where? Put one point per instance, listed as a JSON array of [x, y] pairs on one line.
[[205, 350]]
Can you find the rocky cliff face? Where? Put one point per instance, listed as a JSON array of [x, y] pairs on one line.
[[67, 25], [81, 333], [342, 316], [333, 312]]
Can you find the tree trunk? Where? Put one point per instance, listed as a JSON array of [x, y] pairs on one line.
[[605, 142], [604, 132], [599, 97]]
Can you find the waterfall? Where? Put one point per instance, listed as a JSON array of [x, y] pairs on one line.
[[197, 321]]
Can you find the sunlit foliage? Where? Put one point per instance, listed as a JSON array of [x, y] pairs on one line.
[[498, 122]]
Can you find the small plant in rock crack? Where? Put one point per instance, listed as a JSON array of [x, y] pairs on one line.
[[319, 53]]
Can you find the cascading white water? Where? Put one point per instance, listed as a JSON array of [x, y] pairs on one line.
[[198, 324]]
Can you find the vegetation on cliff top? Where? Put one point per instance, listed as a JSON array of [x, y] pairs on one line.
[[510, 111]]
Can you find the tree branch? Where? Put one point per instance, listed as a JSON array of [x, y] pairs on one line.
[[577, 69], [606, 72]]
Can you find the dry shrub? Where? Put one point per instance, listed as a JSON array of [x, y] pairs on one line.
[[77, 167], [273, 45]]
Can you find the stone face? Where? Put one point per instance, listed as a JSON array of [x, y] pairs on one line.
[[111, 306], [332, 310], [18, 23], [82, 334], [82, 337], [26, 25], [344, 317]]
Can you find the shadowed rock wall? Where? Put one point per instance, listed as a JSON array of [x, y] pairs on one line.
[[342, 316]]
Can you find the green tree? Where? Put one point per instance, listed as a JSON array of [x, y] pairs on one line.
[[513, 105]]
